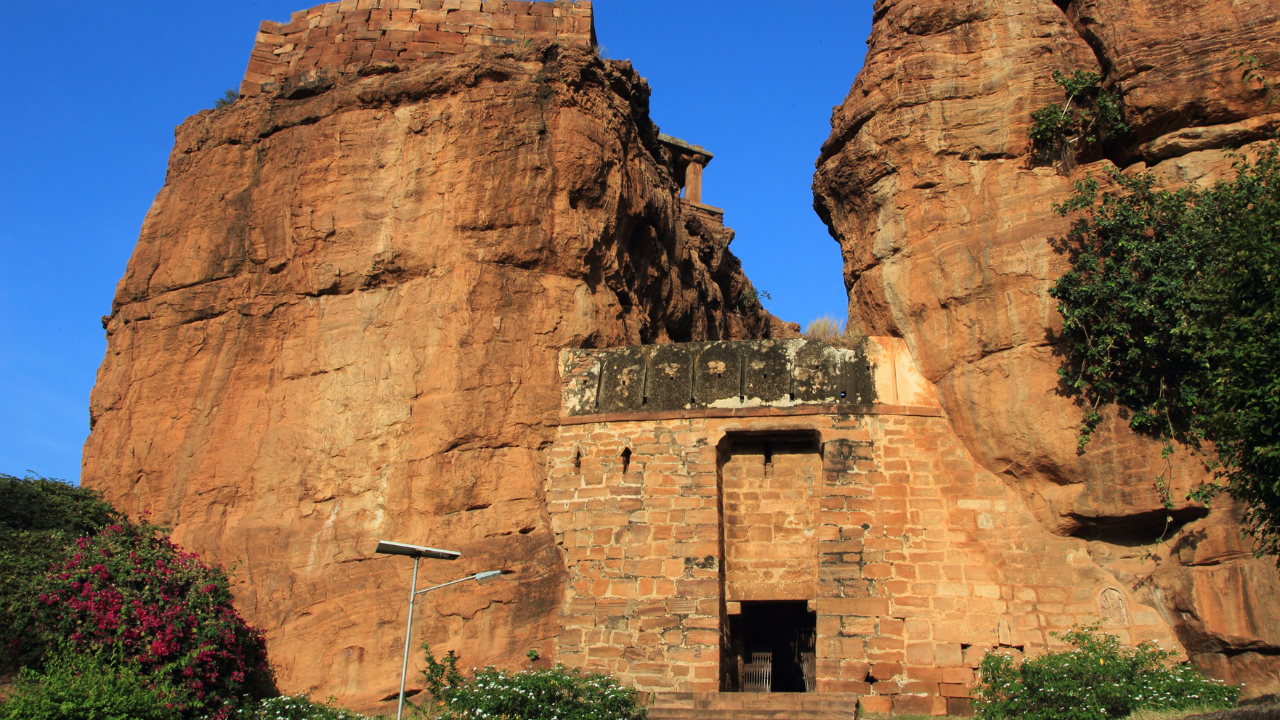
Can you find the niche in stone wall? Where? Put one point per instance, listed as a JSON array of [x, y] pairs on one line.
[[769, 485], [1113, 609]]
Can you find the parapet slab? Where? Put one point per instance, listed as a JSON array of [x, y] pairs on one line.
[[747, 377]]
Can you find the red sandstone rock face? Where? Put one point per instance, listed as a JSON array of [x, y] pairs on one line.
[[926, 183], [341, 323]]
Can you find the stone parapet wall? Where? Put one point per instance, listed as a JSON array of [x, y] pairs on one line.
[[785, 374], [348, 36]]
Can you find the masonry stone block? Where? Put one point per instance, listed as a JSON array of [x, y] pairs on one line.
[[766, 373], [669, 377], [905, 584], [718, 374], [622, 381], [817, 374]]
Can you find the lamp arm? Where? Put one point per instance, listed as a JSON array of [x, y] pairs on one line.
[[451, 582]]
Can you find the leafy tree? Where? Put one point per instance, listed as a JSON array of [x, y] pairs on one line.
[[1171, 310], [1096, 679], [39, 518]]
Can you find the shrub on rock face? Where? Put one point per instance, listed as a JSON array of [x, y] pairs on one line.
[[39, 519], [130, 594], [552, 694], [1096, 679]]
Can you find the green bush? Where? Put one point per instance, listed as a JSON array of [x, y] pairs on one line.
[[83, 686], [229, 98], [39, 519], [294, 707], [557, 693], [1089, 117], [1098, 678]]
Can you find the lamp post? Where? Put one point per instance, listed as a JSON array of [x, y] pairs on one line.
[[417, 552]]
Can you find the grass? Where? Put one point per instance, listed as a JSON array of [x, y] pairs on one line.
[[1147, 714], [832, 332]]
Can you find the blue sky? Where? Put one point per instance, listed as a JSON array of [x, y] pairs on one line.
[[91, 99]]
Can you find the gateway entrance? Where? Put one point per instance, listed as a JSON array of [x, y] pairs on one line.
[[770, 648]]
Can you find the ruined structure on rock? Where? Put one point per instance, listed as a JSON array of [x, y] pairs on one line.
[[438, 278]]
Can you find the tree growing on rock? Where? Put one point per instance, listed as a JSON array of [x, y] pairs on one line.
[[1171, 310]]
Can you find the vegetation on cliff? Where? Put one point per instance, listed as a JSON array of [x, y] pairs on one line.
[[1171, 310], [1088, 118]]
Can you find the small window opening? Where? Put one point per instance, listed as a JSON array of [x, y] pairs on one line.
[[577, 459], [768, 460], [626, 460]]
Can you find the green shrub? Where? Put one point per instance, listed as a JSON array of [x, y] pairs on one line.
[[39, 519], [557, 693], [85, 686], [1098, 678], [1089, 117], [229, 98], [749, 299], [295, 707]]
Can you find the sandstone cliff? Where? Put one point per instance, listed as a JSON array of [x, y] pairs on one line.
[[944, 222], [342, 320]]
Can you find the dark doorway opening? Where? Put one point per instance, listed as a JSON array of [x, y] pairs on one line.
[[769, 647]]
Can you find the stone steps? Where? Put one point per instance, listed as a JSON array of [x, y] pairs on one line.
[[754, 706]]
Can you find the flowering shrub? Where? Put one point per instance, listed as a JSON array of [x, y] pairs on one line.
[[1098, 678], [129, 592], [85, 687], [39, 518], [294, 707], [553, 694]]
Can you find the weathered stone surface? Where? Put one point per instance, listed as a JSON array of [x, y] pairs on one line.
[[926, 182], [341, 323], [742, 375]]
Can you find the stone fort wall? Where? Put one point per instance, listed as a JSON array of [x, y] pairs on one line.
[[345, 37], [915, 559]]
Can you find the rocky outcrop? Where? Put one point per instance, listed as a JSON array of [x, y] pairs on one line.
[[342, 320], [944, 221]]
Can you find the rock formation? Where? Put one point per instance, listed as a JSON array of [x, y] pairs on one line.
[[342, 320], [928, 185]]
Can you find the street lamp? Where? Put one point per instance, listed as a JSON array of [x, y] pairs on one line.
[[417, 552]]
